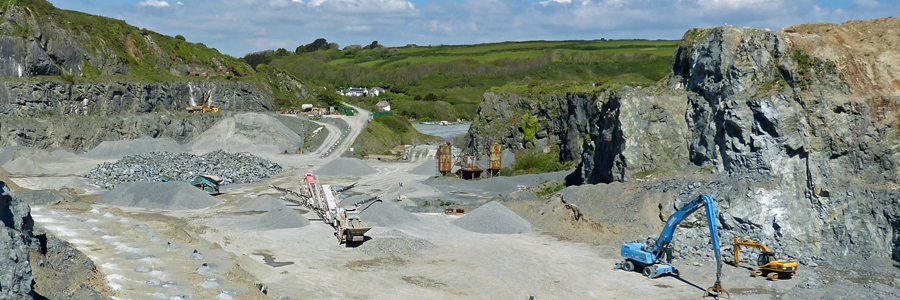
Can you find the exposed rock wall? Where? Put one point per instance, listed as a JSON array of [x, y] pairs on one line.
[[802, 144], [86, 132], [15, 237], [26, 97]]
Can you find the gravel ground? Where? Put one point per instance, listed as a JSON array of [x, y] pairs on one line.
[[231, 167], [345, 167], [493, 218], [394, 243], [428, 167], [159, 195]]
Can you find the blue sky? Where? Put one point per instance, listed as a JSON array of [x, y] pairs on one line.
[[237, 27]]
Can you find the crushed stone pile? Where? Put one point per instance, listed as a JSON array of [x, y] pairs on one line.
[[282, 218], [384, 214], [144, 145], [493, 218], [253, 132], [262, 204], [394, 243], [345, 167], [159, 195], [276, 214], [230, 167]]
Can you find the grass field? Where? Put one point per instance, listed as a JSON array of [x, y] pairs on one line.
[[454, 77]]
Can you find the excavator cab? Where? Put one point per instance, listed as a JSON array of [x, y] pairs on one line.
[[765, 258]]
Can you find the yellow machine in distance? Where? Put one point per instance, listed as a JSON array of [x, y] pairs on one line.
[[769, 266]]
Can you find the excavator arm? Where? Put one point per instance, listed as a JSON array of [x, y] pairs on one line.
[[650, 255], [746, 243]]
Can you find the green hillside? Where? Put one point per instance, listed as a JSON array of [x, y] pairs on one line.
[[447, 82]]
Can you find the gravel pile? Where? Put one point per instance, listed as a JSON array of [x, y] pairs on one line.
[[493, 218], [262, 204], [159, 195], [144, 145], [231, 167], [252, 132], [384, 214], [282, 218], [394, 243], [345, 167]]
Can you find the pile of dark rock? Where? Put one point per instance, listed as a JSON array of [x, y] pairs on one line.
[[230, 167]]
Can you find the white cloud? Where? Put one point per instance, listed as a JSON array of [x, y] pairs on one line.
[[237, 27], [154, 3]]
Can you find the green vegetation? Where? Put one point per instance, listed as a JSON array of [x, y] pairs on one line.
[[447, 82], [533, 161], [386, 133], [550, 188], [147, 55]]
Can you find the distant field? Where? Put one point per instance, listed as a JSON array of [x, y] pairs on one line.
[[457, 75]]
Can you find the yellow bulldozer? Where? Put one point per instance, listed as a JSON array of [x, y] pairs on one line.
[[769, 266]]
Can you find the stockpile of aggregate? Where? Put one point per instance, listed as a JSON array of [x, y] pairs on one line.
[[230, 167], [252, 132], [345, 167], [144, 145], [276, 215], [493, 218], [381, 213], [394, 243], [158, 195], [261, 204]]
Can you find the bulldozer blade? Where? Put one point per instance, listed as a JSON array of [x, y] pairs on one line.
[[716, 291]]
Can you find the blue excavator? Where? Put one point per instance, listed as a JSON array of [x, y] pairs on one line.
[[654, 256]]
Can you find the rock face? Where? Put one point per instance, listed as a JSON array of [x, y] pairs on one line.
[[798, 135], [27, 98], [15, 237], [86, 132]]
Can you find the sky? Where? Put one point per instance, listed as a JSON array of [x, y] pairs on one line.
[[238, 27]]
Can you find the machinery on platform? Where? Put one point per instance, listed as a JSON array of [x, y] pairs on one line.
[[208, 183], [322, 200], [769, 266], [654, 256]]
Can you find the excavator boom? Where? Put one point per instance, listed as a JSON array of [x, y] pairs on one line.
[[650, 255]]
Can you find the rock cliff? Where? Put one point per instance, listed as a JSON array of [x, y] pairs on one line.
[[15, 238], [793, 132]]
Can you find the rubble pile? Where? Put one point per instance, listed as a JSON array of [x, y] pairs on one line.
[[230, 167]]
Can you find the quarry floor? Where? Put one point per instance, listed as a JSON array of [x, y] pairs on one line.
[[203, 254]]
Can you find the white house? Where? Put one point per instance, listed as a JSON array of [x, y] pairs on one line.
[[355, 92], [375, 91], [383, 105]]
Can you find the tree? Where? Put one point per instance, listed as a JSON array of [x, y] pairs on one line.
[[180, 38], [373, 45], [318, 44], [255, 59], [281, 52], [328, 97], [431, 97]]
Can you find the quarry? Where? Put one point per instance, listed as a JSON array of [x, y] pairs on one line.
[[782, 143]]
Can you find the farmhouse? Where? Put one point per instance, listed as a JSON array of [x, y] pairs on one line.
[[383, 105]]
